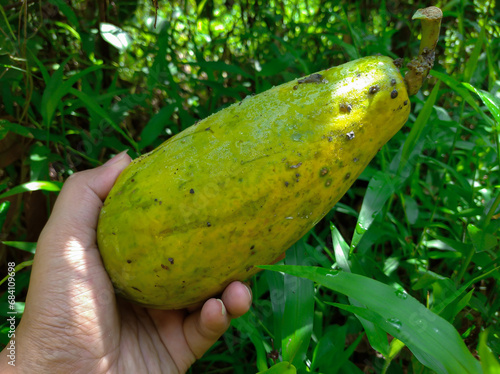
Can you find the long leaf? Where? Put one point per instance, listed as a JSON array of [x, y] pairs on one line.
[[297, 320], [434, 341], [33, 186]]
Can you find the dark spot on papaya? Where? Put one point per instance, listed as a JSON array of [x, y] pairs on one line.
[[295, 87], [114, 233], [347, 176], [323, 172], [313, 78], [164, 266], [171, 260], [373, 89], [135, 288], [393, 81], [286, 184], [355, 159], [394, 94], [129, 261], [248, 268], [252, 247], [330, 139], [132, 180], [350, 135], [345, 108], [295, 166], [297, 175], [209, 224], [156, 199], [160, 202], [405, 102], [191, 191], [328, 182]]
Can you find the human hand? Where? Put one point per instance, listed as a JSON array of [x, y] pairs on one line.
[[72, 320]]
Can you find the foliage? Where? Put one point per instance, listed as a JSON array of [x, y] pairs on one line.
[[81, 83]]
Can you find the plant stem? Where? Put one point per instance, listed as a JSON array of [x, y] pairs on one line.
[[420, 66]]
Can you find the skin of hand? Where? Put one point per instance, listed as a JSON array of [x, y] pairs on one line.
[[74, 323]]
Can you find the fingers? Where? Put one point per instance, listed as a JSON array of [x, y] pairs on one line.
[[204, 327], [78, 204]]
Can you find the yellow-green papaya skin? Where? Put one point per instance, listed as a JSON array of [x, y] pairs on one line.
[[240, 187]]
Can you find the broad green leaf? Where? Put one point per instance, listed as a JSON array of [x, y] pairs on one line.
[[94, 105], [489, 362], [462, 91], [156, 126], [297, 319], [57, 87], [33, 186], [67, 11], [482, 240], [24, 246], [491, 102], [376, 336], [380, 188], [115, 36], [434, 341], [247, 324], [471, 64], [280, 368]]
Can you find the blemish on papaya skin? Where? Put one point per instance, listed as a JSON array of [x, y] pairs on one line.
[[135, 288], [345, 108], [328, 183], [373, 89], [405, 102], [393, 81], [286, 184], [129, 261], [330, 139], [350, 135], [394, 94], [171, 260], [323, 172], [248, 268], [355, 159], [295, 166], [313, 78], [209, 224], [191, 191], [164, 266], [295, 87], [252, 247], [347, 176]]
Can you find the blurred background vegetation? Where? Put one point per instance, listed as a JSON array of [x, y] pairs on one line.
[[83, 80]]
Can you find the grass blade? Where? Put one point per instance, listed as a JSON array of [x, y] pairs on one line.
[[434, 341], [33, 186], [297, 319], [418, 126]]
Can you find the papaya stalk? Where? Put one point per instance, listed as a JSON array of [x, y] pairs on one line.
[[419, 67]]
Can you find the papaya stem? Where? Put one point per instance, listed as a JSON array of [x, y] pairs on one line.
[[419, 67]]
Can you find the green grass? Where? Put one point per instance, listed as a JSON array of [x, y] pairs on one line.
[[402, 276]]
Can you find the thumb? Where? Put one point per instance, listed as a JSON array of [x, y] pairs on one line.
[[77, 207]]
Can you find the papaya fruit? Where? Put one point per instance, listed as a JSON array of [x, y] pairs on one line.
[[238, 188]]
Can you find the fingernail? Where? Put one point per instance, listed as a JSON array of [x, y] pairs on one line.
[[249, 290], [223, 311], [117, 158]]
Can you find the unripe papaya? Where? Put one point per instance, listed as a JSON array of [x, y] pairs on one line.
[[240, 187]]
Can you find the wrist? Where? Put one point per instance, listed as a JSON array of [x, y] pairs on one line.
[[8, 359]]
